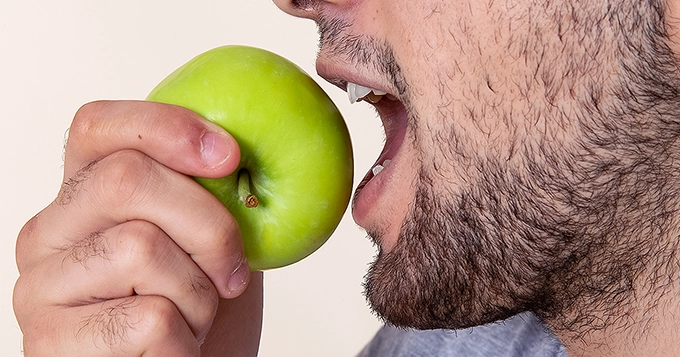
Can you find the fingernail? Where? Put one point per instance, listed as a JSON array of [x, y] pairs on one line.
[[215, 148], [239, 278]]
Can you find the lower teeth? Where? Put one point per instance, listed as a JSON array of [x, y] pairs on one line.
[[377, 168]]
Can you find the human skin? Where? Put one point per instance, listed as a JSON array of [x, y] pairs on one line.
[[133, 257], [533, 166], [503, 119]]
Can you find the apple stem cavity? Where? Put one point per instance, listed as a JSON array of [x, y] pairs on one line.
[[244, 193]]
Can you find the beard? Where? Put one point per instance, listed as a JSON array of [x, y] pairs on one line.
[[570, 230], [510, 243]]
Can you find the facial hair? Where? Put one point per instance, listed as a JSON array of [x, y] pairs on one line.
[[572, 230]]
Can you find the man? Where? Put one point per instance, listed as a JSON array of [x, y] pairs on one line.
[[529, 165]]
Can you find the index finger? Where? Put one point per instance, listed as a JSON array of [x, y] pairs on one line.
[[174, 136]]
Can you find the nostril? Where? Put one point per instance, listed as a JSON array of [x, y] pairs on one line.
[[299, 8], [304, 4]]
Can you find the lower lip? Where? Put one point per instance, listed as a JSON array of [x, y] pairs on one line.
[[372, 187]]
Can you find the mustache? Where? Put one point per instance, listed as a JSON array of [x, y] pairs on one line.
[[336, 40]]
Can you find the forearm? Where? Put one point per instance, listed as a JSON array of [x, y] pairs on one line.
[[238, 324]]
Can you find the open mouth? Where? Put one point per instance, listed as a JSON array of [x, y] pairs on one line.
[[384, 96], [393, 116], [394, 119]]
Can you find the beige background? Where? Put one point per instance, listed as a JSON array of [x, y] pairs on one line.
[[57, 55]]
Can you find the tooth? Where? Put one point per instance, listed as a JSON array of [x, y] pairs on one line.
[[377, 168], [373, 98], [358, 92], [351, 93]]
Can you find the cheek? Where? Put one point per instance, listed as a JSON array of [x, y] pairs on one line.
[[479, 98]]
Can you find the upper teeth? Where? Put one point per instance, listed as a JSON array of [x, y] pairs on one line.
[[358, 92]]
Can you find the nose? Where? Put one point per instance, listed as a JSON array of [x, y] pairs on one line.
[[299, 8]]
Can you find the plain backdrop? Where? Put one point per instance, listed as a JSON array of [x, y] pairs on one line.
[[57, 55]]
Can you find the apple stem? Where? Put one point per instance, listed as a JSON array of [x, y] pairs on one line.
[[244, 193]]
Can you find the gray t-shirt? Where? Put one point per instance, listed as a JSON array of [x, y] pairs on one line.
[[519, 336]]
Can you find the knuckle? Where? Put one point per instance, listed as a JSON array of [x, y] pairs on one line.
[[141, 243], [160, 317], [84, 120], [125, 177], [23, 243], [146, 246], [21, 298], [29, 228], [223, 230]]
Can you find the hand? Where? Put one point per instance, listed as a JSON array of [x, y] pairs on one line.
[[132, 256]]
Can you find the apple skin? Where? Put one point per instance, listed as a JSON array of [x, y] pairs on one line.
[[294, 144]]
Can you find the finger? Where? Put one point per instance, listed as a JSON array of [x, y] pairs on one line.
[[128, 185], [132, 326], [135, 257], [172, 135]]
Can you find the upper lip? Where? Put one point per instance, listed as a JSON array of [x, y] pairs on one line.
[[340, 76], [388, 109]]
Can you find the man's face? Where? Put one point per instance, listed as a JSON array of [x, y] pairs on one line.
[[517, 133]]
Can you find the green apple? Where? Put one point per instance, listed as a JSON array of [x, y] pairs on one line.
[[294, 181]]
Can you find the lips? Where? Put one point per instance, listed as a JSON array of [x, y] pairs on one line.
[[379, 94]]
